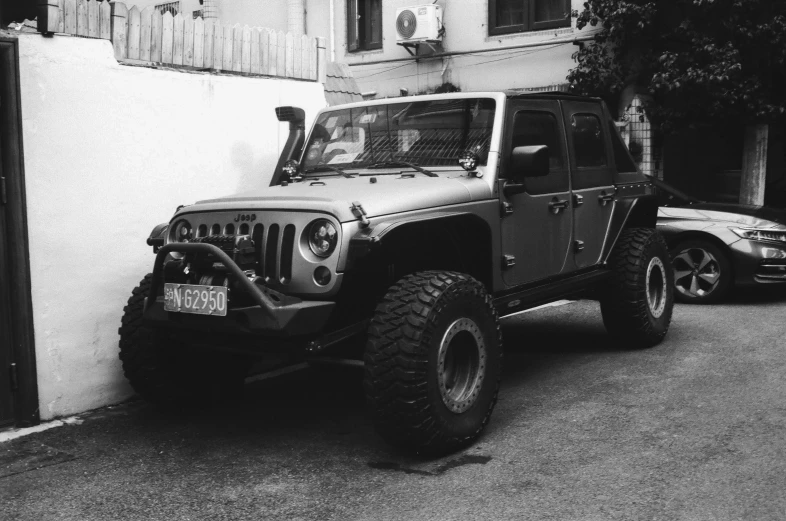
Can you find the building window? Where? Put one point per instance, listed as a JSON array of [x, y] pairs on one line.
[[198, 14], [516, 16], [364, 25], [170, 7]]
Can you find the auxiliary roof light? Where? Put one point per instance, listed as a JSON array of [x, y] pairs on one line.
[[468, 160]]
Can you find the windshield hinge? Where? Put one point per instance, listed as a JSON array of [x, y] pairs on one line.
[[359, 213]]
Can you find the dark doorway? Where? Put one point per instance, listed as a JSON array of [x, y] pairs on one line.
[[18, 381]]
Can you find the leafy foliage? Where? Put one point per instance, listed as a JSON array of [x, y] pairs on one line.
[[701, 61]]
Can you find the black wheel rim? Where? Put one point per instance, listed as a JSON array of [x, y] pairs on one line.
[[461, 365], [696, 273]]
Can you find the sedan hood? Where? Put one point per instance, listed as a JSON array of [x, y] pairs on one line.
[[744, 215], [379, 195], [758, 212]]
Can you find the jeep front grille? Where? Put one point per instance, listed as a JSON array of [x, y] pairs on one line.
[[274, 250], [277, 255]]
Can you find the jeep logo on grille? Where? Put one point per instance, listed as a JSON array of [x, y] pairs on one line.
[[246, 217]]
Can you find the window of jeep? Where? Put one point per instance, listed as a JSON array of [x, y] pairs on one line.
[[589, 147], [532, 128], [428, 133]]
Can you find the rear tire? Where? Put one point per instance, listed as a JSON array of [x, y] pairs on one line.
[[172, 374], [433, 362], [638, 304]]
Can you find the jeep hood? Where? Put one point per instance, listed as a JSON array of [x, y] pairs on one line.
[[387, 195]]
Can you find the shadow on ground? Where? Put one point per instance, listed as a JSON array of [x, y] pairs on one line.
[[325, 405]]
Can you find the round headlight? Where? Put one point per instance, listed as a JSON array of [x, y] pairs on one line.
[[182, 231], [322, 237]]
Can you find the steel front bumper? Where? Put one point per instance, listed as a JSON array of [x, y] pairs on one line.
[[273, 314]]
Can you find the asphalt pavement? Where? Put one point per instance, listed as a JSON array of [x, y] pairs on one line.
[[693, 429]]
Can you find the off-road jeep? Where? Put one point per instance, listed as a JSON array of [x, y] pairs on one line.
[[411, 224]]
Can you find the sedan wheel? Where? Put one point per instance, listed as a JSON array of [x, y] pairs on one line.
[[702, 273]]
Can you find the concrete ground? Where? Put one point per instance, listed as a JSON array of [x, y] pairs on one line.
[[693, 429]]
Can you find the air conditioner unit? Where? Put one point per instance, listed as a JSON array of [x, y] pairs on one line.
[[418, 24]]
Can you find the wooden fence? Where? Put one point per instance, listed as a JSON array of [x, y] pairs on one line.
[[149, 36]]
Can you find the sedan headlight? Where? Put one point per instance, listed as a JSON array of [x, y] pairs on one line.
[[759, 234], [322, 237]]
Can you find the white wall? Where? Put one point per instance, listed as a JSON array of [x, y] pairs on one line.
[[466, 24], [111, 151]]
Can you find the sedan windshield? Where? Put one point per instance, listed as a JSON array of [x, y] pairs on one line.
[[424, 133]]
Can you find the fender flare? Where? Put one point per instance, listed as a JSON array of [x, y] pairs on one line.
[[156, 238], [639, 211], [374, 236]]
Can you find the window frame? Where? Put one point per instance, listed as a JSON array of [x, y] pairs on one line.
[[354, 43], [529, 24], [558, 180]]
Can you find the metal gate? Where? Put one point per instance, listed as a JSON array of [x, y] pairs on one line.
[[18, 381]]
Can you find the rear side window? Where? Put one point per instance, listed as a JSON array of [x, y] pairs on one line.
[[589, 147], [621, 156]]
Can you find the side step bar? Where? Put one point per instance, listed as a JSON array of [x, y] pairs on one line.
[[549, 290]]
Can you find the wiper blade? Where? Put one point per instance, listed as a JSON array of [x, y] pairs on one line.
[[322, 168], [413, 166]]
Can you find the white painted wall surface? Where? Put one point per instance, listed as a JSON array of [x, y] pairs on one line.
[[466, 25], [111, 151]]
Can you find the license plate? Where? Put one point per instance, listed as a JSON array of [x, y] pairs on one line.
[[199, 300]]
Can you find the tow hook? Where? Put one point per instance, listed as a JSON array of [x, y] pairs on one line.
[[360, 214]]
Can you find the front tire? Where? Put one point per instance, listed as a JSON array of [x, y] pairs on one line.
[[433, 362], [638, 304], [170, 374], [702, 272]]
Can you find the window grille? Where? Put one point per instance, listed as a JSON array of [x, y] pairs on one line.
[[170, 7], [640, 139]]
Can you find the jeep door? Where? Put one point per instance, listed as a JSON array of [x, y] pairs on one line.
[[591, 179], [536, 215]]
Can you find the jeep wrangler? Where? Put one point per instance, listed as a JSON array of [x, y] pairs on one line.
[[397, 233]]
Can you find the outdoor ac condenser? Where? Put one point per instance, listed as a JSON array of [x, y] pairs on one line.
[[419, 23]]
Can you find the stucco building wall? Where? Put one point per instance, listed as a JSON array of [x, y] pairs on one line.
[[466, 25], [111, 151]]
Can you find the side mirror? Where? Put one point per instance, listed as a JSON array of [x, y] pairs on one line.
[[530, 161]]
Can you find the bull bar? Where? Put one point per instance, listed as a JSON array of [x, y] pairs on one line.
[[287, 315]]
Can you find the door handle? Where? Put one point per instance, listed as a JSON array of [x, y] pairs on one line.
[[605, 198], [557, 205]]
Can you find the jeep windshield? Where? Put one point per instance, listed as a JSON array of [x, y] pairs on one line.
[[423, 133]]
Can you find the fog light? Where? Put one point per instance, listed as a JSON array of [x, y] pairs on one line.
[[322, 276], [773, 253]]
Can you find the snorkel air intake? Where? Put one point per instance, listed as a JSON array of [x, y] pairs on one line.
[[297, 134]]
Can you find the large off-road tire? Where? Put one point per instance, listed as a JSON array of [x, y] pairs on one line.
[[702, 272], [433, 362], [172, 374], [638, 303]]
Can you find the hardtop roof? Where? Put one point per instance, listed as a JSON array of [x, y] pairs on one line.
[[512, 94]]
